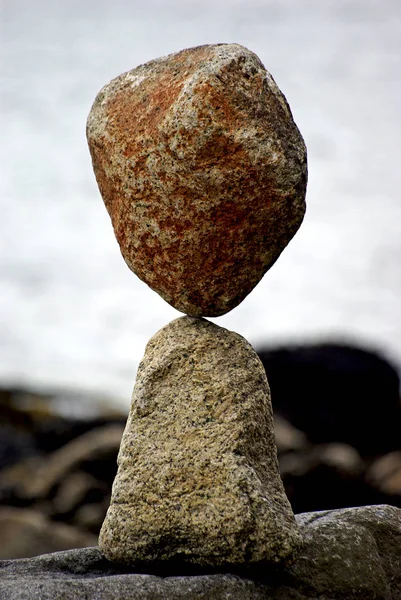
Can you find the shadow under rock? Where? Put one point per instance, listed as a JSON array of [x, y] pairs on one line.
[[93, 563]]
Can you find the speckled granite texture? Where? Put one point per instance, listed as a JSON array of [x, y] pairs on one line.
[[203, 172], [198, 478]]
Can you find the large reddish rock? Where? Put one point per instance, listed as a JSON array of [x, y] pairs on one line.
[[203, 172]]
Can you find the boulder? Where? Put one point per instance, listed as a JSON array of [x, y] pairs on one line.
[[203, 172], [198, 478], [348, 394], [352, 554], [327, 476]]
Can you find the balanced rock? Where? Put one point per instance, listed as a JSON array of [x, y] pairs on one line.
[[203, 172], [198, 478]]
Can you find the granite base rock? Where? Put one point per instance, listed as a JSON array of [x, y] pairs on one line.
[[198, 478], [352, 554]]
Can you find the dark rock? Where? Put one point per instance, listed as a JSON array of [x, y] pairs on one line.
[[352, 554], [90, 516], [15, 445], [316, 477], [33, 423], [287, 437], [25, 533], [17, 438], [37, 477], [59, 467], [327, 476], [77, 489], [337, 393]]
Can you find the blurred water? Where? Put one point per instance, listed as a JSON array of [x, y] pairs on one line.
[[71, 313]]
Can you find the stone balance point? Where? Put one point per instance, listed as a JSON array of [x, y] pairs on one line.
[[203, 172]]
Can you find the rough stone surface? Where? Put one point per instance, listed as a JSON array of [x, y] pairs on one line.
[[351, 554], [203, 172], [198, 478]]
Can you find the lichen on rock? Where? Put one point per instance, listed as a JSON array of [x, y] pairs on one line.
[[203, 172]]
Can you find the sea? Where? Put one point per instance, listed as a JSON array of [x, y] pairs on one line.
[[72, 315]]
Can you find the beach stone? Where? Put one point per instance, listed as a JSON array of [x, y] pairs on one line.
[[203, 172], [349, 554], [198, 479]]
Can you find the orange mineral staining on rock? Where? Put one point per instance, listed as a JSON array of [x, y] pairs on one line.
[[203, 172]]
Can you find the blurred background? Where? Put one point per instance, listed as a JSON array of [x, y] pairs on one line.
[[74, 320]]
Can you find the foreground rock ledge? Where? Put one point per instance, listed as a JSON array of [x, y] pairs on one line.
[[203, 172], [198, 478], [348, 554]]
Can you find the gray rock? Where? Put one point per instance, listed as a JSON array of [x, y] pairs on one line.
[[352, 553], [203, 172], [198, 478], [348, 554]]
